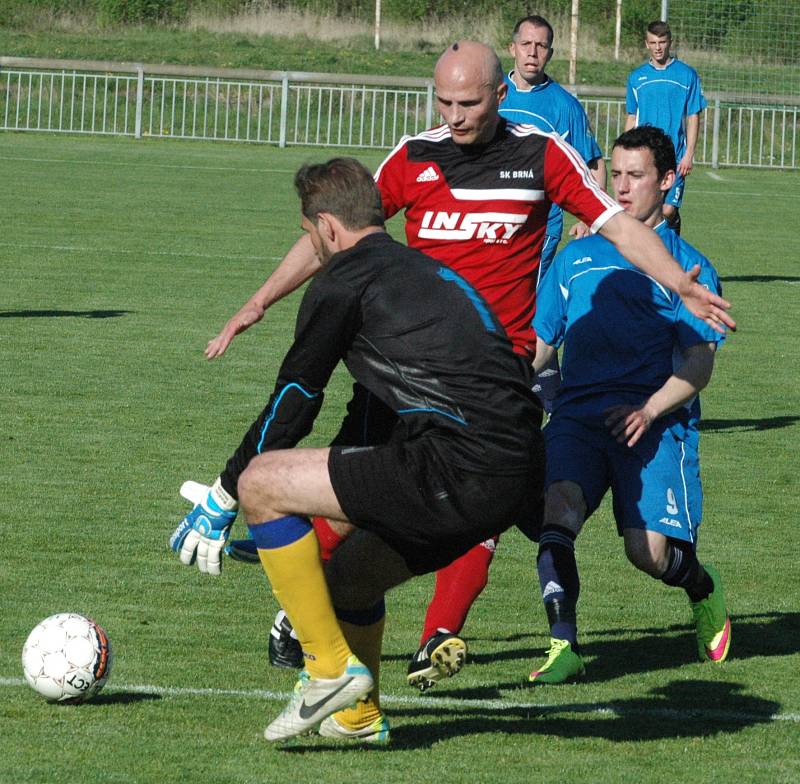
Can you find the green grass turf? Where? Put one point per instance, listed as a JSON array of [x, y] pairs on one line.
[[120, 260]]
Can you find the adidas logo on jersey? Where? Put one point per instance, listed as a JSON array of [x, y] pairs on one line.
[[429, 175]]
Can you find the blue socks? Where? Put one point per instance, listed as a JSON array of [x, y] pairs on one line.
[[559, 581]]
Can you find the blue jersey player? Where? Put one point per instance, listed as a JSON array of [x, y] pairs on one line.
[[534, 98], [626, 416], [666, 92]]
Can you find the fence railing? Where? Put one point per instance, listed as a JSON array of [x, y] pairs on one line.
[[295, 108]]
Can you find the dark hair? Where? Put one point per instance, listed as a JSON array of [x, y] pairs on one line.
[[660, 29], [344, 188], [650, 138], [536, 21]]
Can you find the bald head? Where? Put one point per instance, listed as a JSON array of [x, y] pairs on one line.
[[470, 61], [469, 88]]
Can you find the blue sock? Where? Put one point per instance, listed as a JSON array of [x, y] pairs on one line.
[[280, 532], [559, 581]]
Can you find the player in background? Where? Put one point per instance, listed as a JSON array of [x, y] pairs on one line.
[[666, 93], [465, 459], [476, 192], [626, 417], [534, 97]]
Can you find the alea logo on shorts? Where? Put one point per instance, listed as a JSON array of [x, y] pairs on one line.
[[491, 227]]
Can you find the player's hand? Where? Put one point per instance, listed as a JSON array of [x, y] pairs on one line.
[[685, 165], [202, 534], [628, 423], [579, 230], [250, 313], [704, 304]]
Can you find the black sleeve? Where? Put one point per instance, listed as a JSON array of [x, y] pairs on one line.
[[327, 322]]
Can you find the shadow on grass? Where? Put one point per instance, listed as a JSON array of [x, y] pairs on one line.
[[693, 708], [760, 279], [679, 709], [122, 698], [613, 654], [92, 314], [739, 425]]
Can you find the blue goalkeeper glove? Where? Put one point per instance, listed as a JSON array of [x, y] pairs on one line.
[[202, 534]]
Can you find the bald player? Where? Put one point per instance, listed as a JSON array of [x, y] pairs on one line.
[[475, 192]]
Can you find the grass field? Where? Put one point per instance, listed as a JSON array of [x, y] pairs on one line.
[[120, 260]]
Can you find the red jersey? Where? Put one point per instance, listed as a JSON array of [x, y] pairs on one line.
[[482, 209]]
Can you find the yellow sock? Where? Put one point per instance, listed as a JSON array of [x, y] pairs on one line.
[[366, 643], [289, 552]]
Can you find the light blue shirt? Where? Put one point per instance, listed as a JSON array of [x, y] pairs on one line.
[[665, 97], [551, 108], [620, 328]]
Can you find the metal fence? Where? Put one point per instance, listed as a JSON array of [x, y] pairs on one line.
[[731, 134], [293, 108]]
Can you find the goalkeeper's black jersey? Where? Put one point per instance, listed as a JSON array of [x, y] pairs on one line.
[[422, 340]]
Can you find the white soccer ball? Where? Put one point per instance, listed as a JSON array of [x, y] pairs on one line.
[[67, 658]]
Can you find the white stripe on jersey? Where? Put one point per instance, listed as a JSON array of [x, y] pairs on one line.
[[523, 129], [511, 194], [604, 218], [668, 295], [432, 135], [660, 81], [534, 123]]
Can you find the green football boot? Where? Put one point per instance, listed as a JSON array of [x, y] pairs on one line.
[[562, 664], [712, 622]]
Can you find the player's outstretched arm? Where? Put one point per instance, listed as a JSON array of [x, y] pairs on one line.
[[597, 169], [297, 266], [643, 247]]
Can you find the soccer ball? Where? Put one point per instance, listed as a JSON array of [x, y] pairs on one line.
[[67, 658]]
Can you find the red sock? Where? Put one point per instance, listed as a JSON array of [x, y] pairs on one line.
[[457, 587], [329, 540]]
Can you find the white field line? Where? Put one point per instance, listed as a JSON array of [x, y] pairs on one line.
[[118, 251], [452, 702], [85, 162], [714, 176], [728, 194]]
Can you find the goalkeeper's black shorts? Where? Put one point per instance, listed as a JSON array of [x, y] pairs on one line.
[[425, 508]]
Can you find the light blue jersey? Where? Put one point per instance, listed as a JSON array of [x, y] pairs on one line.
[[619, 326], [551, 108], [665, 97], [622, 333]]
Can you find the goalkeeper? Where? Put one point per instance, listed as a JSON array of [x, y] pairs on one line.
[[463, 462]]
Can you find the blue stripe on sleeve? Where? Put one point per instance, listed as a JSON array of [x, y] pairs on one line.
[[447, 274], [275, 405], [279, 533], [433, 411]]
